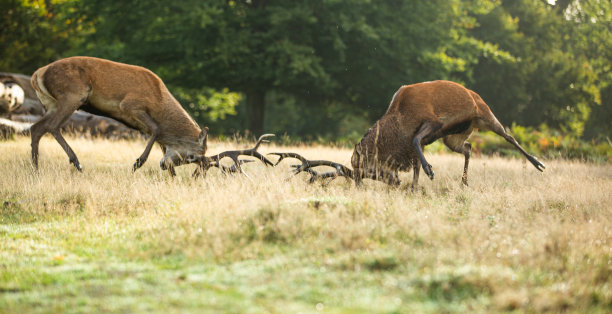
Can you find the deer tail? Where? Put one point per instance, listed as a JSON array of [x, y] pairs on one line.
[[38, 84]]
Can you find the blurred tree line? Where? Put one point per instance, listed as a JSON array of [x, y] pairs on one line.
[[328, 68]]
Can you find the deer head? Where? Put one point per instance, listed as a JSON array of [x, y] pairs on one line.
[[183, 152]]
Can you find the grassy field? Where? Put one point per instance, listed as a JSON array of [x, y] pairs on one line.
[[110, 240]]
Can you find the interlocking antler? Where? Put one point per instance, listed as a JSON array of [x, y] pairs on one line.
[[231, 169], [307, 165], [214, 161]]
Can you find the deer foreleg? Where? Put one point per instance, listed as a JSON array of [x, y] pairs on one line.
[[154, 129], [416, 169], [358, 178], [427, 130], [166, 166]]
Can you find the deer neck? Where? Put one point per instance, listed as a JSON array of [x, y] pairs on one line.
[[386, 145], [178, 131]]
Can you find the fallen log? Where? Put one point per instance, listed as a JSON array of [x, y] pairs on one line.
[[8, 128]]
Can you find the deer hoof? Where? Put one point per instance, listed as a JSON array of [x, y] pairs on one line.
[[76, 164], [137, 164], [428, 171]]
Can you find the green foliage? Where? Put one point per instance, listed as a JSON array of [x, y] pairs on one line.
[[208, 103], [318, 52], [327, 69], [34, 32], [562, 62]]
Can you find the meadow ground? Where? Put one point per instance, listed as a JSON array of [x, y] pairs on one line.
[[108, 239]]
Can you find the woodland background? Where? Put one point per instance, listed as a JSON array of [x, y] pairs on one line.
[[320, 71], [325, 70]]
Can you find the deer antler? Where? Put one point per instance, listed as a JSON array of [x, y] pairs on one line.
[[233, 154], [231, 169], [214, 161], [307, 166]]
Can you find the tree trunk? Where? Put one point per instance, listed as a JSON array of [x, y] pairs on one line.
[[256, 104]]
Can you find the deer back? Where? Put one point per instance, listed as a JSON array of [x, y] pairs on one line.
[[116, 90]]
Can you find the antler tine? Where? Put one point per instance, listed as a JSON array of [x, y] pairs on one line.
[[206, 162], [288, 155], [233, 168], [224, 169], [233, 154], [307, 166], [262, 139], [314, 175]]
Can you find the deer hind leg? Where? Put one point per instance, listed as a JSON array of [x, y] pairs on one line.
[[36, 132], [59, 112], [458, 144], [427, 131], [495, 126], [72, 158]]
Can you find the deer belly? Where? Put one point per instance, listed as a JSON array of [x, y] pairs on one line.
[[107, 110]]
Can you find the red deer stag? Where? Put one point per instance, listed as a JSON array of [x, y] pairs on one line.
[[419, 114], [127, 93]]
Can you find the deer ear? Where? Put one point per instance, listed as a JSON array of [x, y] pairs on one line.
[[203, 137]]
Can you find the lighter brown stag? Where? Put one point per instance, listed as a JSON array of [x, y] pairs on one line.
[[130, 94]]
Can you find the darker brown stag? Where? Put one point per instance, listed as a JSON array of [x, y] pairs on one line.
[[420, 114]]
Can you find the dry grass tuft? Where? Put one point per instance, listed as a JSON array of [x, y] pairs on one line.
[[515, 239]]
